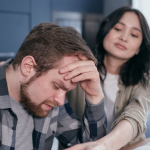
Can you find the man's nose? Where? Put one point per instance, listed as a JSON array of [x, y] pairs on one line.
[[60, 98]]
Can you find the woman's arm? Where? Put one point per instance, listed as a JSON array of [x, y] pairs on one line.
[[115, 140], [119, 136]]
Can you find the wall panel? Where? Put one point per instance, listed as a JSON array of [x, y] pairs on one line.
[[13, 29], [85, 6], [14, 5]]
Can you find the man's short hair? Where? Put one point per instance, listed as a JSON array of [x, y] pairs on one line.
[[48, 43]]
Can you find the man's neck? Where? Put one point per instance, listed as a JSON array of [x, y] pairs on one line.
[[13, 78]]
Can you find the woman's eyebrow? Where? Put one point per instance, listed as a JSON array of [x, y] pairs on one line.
[[121, 23], [137, 29], [132, 27]]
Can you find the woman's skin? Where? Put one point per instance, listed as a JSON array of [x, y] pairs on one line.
[[121, 43]]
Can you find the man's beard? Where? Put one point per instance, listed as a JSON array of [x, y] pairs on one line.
[[29, 105]]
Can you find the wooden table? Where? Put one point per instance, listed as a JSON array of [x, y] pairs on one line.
[[135, 145]]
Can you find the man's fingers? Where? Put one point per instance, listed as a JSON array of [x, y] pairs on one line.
[[81, 57], [83, 146], [84, 76], [2, 62], [75, 65], [79, 71]]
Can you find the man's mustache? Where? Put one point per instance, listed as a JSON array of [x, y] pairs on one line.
[[50, 103]]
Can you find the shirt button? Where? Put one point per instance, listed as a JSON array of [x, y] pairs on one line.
[[69, 144], [53, 132], [117, 107], [13, 128]]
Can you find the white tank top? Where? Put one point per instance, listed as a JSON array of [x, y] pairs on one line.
[[110, 88]]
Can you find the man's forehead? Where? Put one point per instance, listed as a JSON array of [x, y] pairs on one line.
[[68, 60], [67, 85]]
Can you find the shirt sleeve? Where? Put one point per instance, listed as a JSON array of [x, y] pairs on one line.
[[71, 130], [136, 111]]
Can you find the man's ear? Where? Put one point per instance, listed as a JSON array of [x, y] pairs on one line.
[[27, 66]]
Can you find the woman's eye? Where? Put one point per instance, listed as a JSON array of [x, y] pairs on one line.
[[117, 29], [134, 35]]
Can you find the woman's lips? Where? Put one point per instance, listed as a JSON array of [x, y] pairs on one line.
[[120, 46]]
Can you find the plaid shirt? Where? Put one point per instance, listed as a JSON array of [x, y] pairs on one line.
[[61, 123]]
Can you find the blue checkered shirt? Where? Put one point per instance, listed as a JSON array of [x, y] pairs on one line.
[[61, 123]]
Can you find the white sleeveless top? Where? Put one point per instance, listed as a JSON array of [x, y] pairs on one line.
[[110, 88]]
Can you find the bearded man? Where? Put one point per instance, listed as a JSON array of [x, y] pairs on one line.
[[33, 107]]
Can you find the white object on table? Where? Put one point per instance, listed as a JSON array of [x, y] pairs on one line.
[[144, 147]]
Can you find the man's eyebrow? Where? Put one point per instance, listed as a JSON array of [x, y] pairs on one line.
[[62, 86], [133, 27]]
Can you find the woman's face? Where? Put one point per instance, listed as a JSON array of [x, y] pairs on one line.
[[124, 39]]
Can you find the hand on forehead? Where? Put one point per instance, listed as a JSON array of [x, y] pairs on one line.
[[71, 62], [74, 66], [84, 71]]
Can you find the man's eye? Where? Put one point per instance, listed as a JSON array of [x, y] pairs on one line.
[[56, 87], [117, 29]]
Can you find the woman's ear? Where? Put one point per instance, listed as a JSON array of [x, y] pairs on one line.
[[27, 66]]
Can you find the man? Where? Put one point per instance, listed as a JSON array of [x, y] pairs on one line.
[[33, 108]]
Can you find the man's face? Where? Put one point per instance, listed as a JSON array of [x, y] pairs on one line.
[[47, 91]]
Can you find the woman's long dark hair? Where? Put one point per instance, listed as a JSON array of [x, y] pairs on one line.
[[136, 69]]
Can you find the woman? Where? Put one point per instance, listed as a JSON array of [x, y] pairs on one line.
[[123, 53]]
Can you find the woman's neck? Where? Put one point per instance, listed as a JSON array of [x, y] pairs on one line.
[[112, 64]]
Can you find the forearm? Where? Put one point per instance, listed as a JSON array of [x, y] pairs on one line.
[[92, 127], [119, 136]]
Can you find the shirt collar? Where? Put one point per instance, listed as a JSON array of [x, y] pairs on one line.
[[4, 94]]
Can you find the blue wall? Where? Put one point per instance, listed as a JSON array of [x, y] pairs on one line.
[[85, 6], [18, 17]]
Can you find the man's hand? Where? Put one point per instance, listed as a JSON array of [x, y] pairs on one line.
[[85, 72], [2, 62], [88, 146]]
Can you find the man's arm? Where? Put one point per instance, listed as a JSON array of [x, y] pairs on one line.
[[2, 62], [92, 126], [71, 130], [85, 72]]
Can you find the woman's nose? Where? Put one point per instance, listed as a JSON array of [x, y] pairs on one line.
[[124, 36]]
